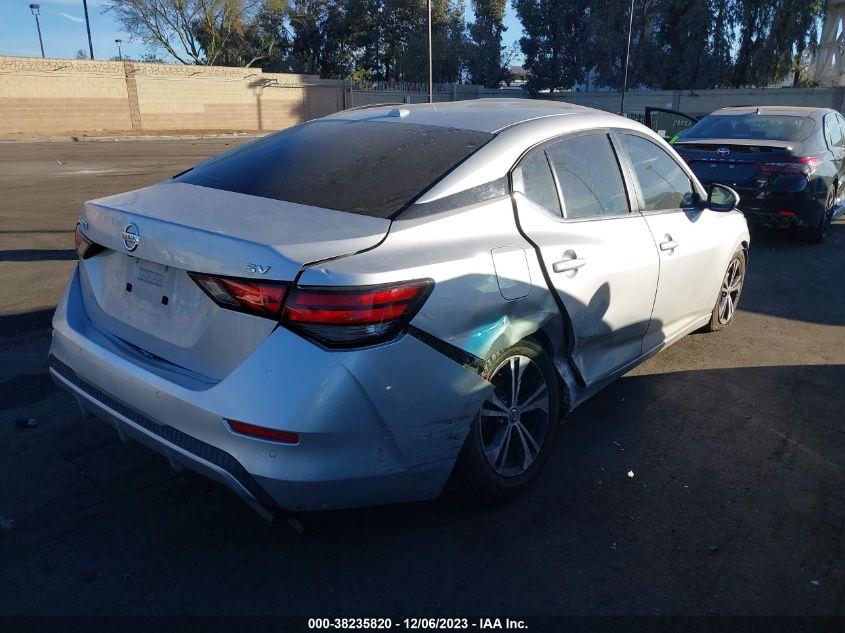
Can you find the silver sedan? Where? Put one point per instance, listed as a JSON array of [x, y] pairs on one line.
[[355, 309]]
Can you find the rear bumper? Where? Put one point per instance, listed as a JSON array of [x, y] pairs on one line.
[[783, 212], [380, 425], [799, 206]]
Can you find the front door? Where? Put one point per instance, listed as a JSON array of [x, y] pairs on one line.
[[686, 235], [600, 257]]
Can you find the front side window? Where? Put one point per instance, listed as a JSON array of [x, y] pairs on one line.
[[665, 186], [538, 185], [589, 178]]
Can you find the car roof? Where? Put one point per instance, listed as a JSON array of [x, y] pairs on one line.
[[482, 115], [517, 125], [777, 109]]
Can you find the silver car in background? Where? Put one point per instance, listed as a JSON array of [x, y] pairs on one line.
[[351, 310]]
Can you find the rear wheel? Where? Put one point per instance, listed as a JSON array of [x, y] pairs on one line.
[[816, 234], [510, 440], [729, 293]]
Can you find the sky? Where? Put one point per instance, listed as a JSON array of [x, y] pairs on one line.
[[63, 29]]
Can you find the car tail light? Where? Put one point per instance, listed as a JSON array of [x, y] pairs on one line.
[[806, 166], [264, 433], [263, 299], [688, 160], [85, 248], [353, 316]]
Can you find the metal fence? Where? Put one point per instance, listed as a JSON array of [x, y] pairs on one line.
[[398, 86]]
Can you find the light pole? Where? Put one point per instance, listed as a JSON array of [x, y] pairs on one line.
[[430, 64], [627, 57], [88, 26], [119, 54], [36, 10]]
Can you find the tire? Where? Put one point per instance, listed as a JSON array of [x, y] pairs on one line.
[[816, 234], [499, 430], [725, 310]]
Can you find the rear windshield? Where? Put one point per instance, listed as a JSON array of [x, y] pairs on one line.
[[372, 168], [769, 127]]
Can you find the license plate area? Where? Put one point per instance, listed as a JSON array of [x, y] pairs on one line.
[[150, 284]]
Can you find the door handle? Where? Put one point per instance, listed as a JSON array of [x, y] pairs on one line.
[[566, 265], [669, 244]]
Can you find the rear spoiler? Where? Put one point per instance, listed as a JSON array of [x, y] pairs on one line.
[[742, 142]]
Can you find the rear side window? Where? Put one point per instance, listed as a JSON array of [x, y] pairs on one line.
[[832, 131], [538, 184], [589, 177], [372, 168], [664, 184]]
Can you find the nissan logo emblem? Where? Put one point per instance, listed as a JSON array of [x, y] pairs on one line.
[[723, 151], [131, 237]]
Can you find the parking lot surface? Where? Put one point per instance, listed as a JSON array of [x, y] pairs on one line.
[[736, 443]]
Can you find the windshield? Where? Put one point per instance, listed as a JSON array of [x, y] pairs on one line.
[[769, 127], [372, 168]]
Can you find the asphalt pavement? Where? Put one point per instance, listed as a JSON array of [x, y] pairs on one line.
[[736, 442]]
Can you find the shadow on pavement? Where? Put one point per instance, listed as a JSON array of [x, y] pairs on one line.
[[735, 505], [37, 255], [796, 280]]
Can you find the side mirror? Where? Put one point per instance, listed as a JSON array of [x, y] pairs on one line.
[[722, 198]]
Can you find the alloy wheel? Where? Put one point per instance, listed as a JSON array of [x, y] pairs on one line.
[[730, 291], [514, 420]]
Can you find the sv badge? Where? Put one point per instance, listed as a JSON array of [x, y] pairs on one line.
[[257, 268]]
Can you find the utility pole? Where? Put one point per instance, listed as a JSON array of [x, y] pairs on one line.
[[88, 26], [36, 10], [430, 63], [627, 57]]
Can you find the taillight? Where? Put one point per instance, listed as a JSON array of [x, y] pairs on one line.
[[806, 166], [85, 248], [332, 316], [263, 299], [688, 160], [344, 317]]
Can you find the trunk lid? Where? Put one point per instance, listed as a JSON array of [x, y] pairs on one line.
[[138, 289], [733, 161]]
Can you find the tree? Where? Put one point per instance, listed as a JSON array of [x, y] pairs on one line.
[[484, 59], [203, 31], [608, 26], [322, 38], [390, 39], [448, 43], [253, 31], [690, 44], [554, 42], [773, 37], [81, 54]]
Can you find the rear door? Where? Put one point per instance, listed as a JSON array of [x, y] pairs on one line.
[[669, 124], [687, 238], [833, 135], [600, 257]]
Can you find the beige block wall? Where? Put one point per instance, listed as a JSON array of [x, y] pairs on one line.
[[60, 96], [57, 95]]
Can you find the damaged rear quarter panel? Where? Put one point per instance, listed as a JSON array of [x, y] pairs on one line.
[[467, 308]]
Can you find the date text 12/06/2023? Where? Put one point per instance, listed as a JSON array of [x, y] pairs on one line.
[[413, 624]]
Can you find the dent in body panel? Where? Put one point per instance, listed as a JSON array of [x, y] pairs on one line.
[[467, 307]]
